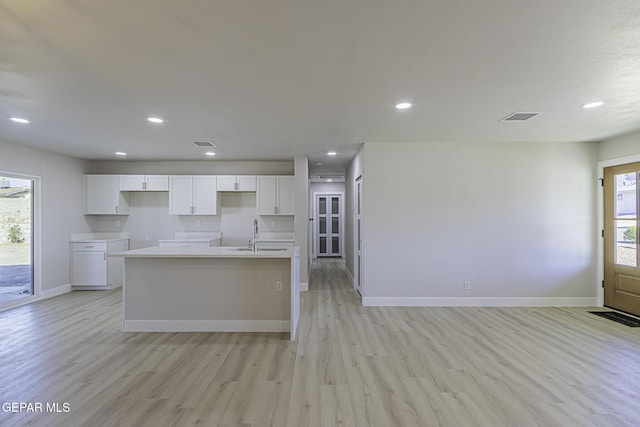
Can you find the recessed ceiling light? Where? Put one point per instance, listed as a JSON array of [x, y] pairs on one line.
[[120, 153], [329, 180], [19, 120], [210, 153], [155, 119], [593, 104], [318, 163], [403, 105], [332, 153]]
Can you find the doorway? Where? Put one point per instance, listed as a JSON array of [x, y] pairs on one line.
[[358, 279], [621, 221], [16, 239], [328, 229]]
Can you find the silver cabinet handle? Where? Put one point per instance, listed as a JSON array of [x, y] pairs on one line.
[[116, 208]]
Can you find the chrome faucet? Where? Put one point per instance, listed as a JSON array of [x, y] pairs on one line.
[[255, 236]]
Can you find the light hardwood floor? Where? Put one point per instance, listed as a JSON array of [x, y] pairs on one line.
[[351, 366]]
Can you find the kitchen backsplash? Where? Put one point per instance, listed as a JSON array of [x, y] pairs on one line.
[[149, 220]]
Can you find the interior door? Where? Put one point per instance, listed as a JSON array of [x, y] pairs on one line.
[[621, 221], [329, 225]]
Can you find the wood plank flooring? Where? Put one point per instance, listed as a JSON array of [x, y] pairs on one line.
[[351, 366]]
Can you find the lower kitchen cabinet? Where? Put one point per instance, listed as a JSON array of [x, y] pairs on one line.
[[92, 268]]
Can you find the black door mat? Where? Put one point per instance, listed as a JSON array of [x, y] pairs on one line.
[[617, 317]]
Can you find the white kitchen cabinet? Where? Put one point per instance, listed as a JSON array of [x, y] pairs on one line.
[[193, 195], [144, 182], [91, 268], [103, 196], [275, 195], [237, 183]]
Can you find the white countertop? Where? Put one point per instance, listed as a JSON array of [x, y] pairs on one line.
[[97, 237], [204, 252]]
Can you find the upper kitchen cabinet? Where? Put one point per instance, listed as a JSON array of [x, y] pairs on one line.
[[193, 195], [103, 196], [236, 183], [144, 182], [275, 195]]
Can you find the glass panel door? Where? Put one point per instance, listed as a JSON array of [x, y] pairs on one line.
[[329, 228], [621, 221], [16, 248]]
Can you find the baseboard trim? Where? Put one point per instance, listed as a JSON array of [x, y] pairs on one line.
[[480, 302], [54, 292], [207, 325]]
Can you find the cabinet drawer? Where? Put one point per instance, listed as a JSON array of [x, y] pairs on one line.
[[88, 246]]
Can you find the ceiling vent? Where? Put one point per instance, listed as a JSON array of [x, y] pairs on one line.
[[204, 144], [518, 117]]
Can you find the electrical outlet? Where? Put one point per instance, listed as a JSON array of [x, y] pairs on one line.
[[467, 286], [279, 286], [198, 223], [147, 237], [117, 222], [273, 223]]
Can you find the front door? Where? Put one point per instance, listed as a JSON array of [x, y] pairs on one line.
[[621, 221]]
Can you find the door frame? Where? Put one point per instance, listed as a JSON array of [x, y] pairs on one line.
[[314, 233], [358, 262], [36, 238], [600, 222]]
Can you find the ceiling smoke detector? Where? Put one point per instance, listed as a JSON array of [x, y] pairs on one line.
[[204, 144], [518, 117]]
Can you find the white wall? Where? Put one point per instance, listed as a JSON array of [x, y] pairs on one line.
[[327, 187], [214, 167], [516, 220], [623, 146], [61, 178], [301, 221], [355, 169]]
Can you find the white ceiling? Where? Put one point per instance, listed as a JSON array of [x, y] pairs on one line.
[[274, 79]]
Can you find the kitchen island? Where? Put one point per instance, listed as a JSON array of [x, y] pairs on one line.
[[211, 289]]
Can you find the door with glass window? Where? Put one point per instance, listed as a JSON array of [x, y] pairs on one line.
[[621, 221], [16, 239], [329, 225]]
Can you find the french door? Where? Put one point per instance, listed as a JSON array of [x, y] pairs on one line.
[[621, 223], [329, 225]]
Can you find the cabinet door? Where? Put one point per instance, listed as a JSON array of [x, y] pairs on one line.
[[89, 269], [246, 182], [205, 195], [157, 183], [103, 196], [266, 195], [180, 194], [286, 187], [131, 182], [226, 183]]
